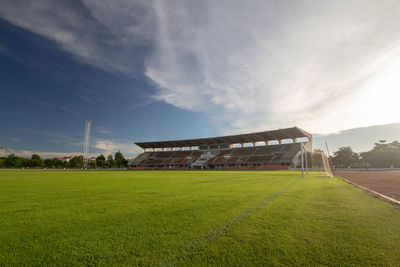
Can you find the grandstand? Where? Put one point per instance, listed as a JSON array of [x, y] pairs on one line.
[[275, 150]]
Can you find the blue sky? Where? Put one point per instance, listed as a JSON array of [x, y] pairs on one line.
[[47, 94], [148, 70]]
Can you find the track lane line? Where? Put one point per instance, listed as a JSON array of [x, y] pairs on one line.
[[372, 192]]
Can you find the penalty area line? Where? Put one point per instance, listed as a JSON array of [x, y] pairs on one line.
[[201, 242]]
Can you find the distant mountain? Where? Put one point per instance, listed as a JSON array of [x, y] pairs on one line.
[[359, 139]]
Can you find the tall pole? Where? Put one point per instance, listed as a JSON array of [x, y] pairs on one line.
[[302, 160], [86, 144]]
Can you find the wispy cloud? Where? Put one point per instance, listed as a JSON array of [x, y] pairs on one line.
[[9, 138], [97, 147], [3, 49], [86, 98], [147, 101], [56, 137], [249, 65], [103, 130], [43, 154], [68, 109], [84, 29], [112, 146], [268, 64], [61, 107]]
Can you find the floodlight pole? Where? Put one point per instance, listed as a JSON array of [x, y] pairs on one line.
[[86, 144]]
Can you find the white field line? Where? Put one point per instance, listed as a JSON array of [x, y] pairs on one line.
[[389, 199], [201, 242]]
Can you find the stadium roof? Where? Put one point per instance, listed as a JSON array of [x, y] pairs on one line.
[[288, 133]]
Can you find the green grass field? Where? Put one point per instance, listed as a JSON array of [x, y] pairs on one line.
[[192, 218]]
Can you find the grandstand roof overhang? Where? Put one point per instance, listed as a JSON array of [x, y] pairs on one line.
[[288, 133]]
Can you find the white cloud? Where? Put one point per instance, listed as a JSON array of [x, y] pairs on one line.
[[101, 146], [249, 65], [103, 130], [268, 64], [42, 154], [81, 29], [111, 146]]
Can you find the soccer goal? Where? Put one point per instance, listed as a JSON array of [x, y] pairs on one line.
[[320, 158], [321, 161], [316, 160]]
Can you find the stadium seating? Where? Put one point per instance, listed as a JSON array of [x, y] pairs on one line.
[[272, 156], [217, 152], [245, 151]]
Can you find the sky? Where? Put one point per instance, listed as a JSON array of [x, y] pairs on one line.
[[360, 139], [159, 70]]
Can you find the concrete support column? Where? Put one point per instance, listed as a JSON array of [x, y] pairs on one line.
[[231, 146], [280, 142], [182, 148], [172, 148], [163, 149], [191, 148], [154, 150], [294, 140], [242, 144], [254, 143]]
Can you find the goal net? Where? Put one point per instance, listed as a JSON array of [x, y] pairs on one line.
[[321, 161], [327, 166]]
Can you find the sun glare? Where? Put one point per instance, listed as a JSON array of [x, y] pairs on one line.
[[378, 101]]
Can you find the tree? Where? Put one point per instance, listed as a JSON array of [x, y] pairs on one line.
[[310, 159], [35, 161], [76, 162], [110, 162], [58, 163], [382, 155], [11, 161], [120, 160], [317, 161], [345, 157], [92, 164], [53, 163], [100, 160], [48, 163], [22, 162]]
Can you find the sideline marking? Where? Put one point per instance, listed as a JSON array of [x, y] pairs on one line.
[[199, 243], [388, 199]]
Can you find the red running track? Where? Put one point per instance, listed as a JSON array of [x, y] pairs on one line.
[[384, 182]]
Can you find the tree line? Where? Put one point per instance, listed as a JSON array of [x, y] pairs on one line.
[[382, 155], [77, 162]]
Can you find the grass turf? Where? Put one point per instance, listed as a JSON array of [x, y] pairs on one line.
[[191, 218]]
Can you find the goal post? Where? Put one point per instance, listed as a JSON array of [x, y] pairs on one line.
[[303, 159], [323, 162]]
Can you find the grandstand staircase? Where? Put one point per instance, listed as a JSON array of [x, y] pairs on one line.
[[204, 158]]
